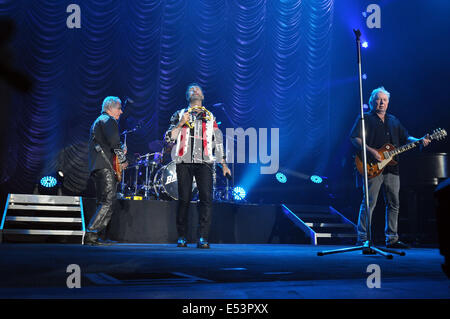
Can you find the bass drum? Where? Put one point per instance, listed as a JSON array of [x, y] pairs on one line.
[[166, 185]]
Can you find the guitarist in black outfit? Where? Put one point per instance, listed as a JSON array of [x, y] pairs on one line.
[[104, 143], [382, 128]]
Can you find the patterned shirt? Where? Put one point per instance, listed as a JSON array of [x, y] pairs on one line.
[[201, 143]]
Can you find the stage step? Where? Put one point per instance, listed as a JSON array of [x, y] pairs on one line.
[[34, 218], [322, 224]]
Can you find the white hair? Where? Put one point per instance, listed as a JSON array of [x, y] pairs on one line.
[[374, 94], [109, 101]]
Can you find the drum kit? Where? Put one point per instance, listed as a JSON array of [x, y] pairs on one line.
[[151, 176], [154, 176]]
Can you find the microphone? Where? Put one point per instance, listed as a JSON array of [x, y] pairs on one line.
[[124, 104], [127, 100]]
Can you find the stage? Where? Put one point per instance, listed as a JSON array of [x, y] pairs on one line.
[[153, 222], [32, 218], [226, 271], [278, 96]]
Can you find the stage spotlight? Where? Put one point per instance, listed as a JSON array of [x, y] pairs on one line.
[[281, 177], [364, 76], [48, 181], [239, 193], [316, 179], [50, 184], [365, 44]]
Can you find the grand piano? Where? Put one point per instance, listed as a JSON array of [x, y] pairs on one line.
[[420, 173]]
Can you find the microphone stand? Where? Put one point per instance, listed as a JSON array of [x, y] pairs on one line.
[[367, 247], [124, 133], [122, 184]]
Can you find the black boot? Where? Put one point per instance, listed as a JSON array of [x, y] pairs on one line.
[[202, 243], [90, 238], [182, 242]]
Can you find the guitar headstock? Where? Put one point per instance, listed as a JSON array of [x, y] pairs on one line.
[[438, 134]]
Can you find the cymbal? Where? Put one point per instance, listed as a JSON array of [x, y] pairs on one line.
[[153, 155]]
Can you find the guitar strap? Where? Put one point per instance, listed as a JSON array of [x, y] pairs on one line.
[[99, 149]]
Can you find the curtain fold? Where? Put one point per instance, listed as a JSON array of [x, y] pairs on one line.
[[268, 62]]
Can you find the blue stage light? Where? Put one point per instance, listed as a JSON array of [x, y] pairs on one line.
[[281, 177], [365, 44], [364, 76], [48, 181], [316, 179], [239, 193]]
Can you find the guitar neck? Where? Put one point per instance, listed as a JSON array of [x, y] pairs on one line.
[[404, 148], [437, 135]]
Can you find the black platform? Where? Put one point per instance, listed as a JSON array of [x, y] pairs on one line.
[[153, 221]]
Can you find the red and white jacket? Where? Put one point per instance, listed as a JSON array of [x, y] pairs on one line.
[[201, 144]]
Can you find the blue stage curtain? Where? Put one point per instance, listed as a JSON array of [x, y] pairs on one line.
[[267, 62]]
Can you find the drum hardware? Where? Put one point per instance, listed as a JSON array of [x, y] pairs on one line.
[[150, 167], [139, 176], [125, 133], [147, 178]]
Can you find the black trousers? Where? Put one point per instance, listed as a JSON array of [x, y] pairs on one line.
[[106, 188], [204, 179]]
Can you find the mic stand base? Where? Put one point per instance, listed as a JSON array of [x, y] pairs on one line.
[[366, 250]]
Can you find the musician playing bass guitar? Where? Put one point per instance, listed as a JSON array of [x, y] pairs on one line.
[[382, 128], [106, 158]]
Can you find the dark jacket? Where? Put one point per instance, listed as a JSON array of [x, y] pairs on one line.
[[105, 133]]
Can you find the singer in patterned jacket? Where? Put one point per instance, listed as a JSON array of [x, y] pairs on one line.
[[199, 143]]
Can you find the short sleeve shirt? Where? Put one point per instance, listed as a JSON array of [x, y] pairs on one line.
[[379, 133]]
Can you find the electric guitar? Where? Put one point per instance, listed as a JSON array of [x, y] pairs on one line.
[[387, 153], [117, 168]]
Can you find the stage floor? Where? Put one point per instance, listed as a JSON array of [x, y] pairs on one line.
[[226, 271]]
